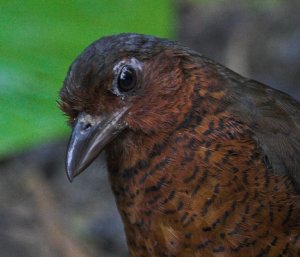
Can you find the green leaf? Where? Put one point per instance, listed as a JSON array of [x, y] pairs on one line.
[[38, 42]]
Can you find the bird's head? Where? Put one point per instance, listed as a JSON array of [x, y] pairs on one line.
[[124, 84]]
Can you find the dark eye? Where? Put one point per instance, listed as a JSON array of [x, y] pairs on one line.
[[126, 79]]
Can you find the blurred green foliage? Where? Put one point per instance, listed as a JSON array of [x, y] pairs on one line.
[[38, 41]]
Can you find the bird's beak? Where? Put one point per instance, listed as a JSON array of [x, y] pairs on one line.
[[89, 136]]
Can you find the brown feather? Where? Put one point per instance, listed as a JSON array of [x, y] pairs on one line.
[[209, 162]]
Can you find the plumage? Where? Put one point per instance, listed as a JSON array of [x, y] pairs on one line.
[[202, 161]]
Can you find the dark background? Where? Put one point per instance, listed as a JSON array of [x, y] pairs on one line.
[[41, 213]]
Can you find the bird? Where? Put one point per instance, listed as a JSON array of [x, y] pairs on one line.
[[201, 160]]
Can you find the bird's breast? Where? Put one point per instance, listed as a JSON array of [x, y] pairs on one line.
[[205, 189]]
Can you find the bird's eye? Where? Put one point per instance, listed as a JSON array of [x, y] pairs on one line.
[[126, 79]]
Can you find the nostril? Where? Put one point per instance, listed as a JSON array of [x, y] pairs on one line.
[[85, 126]]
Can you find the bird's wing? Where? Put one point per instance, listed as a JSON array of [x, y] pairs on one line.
[[274, 118]]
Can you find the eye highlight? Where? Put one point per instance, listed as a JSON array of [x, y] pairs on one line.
[[127, 79]]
